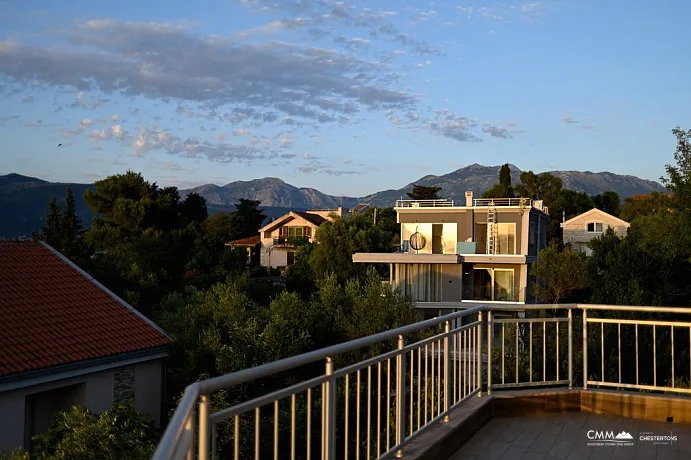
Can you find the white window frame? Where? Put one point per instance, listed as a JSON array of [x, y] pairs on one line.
[[513, 227], [595, 224]]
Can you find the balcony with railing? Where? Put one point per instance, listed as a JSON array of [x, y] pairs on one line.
[[476, 202], [426, 389], [291, 241], [424, 203]]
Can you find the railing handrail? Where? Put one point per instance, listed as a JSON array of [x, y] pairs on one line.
[[184, 412], [440, 203]]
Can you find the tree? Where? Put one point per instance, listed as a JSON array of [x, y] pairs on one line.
[[193, 208], [503, 188], [543, 186], [70, 229], [421, 192], [248, 217], [678, 179], [559, 274], [77, 434], [51, 233], [608, 202], [654, 203]]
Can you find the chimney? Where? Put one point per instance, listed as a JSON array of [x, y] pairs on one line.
[[469, 199]]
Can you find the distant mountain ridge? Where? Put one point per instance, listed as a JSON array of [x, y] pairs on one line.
[[24, 200], [476, 178]]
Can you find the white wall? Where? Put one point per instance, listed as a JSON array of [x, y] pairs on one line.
[[97, 396]]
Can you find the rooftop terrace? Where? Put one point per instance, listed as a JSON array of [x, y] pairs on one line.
[[487, 382], [475, 202]]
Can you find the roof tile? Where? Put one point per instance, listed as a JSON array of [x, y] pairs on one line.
[[53, 315]]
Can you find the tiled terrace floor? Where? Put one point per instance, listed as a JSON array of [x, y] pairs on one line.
[[563, 436]]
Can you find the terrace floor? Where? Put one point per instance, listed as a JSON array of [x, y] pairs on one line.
[[564, 436]]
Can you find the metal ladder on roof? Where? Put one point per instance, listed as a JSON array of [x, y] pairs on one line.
[[491, 229]]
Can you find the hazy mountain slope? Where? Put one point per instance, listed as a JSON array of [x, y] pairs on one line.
[[271, 192], [24, 200]]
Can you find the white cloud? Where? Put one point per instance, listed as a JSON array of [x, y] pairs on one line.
[[221, 76]]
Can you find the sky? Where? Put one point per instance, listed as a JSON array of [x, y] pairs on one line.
[[348, 97]]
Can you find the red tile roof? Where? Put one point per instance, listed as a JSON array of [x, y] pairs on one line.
[[53, 314], [249, 241]]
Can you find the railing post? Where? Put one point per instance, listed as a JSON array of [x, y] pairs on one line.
[[329, 421], [478, 376], [204, 428], [570, 312], [585, 349], [400, 397], [214, 442], [190, 426], [489, 352], [447, 361]]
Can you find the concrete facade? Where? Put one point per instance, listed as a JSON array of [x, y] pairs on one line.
[[578, 231], [452, 261], [27, 406]]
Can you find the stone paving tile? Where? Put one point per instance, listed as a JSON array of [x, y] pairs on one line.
[[563, 437]]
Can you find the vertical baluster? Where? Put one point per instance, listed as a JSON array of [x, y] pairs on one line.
[[637, 353], [257, 420], [190, 426], [672, 340], [419, 386], [293, 424], [309, 423], [400, 397], [502, 352], [346, 439], [369, 411], [517, 331], [654, 356], [570, 349], [276, 429], [329, 424], [204, 427], [544, 350], [585, 349], [530, 348], [412, 387], [478, 357], [236, 438], [619, 348], [602, 350], [489, 352], [357, 416], [557, 361], [447, 382], [378, 409]]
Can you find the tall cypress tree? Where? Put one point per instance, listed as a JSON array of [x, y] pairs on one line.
[[70, 227], [50, 232]]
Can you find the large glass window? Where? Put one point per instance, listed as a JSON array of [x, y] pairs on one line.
[[506, 238], [422, 282], [594, 227]]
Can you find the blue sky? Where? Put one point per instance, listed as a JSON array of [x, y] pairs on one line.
[[347, 97]]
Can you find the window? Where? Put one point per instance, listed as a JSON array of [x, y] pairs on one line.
[[593, 227], [506, 238]]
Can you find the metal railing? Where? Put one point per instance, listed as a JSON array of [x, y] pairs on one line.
[[374, 407], [424, 203], [500, 202], [291, 240]]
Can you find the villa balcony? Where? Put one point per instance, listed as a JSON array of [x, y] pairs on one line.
[[291, 241], [493, 386]]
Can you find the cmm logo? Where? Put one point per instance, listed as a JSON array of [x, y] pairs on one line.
[[608, 438]]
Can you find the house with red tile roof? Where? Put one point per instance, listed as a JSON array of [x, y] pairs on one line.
[[67, 340], [280, 238]]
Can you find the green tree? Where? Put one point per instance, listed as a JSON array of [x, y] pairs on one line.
[[559, 274], [422, 192], [119, 433], [248, 217], [503, 188], [644, 205], [71, 229], [193, 208], [51, 232], [608, 202], [678, 179]]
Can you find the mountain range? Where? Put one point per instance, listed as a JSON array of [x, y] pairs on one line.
[[24, 200]]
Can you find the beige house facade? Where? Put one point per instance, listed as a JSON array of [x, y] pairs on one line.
[[451, 254], [280, 239], [578, 231]]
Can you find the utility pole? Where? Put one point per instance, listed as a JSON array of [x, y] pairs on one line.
[[375, 216]]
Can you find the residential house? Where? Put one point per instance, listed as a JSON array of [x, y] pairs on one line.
[[67, 340], [281, 237], [578, 231], [252, 244], [479, 250]]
